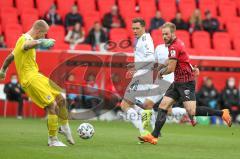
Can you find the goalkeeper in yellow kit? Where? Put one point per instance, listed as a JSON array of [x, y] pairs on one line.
[[39, 88]]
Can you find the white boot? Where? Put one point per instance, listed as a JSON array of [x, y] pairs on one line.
[[66, 131], [53, 141]]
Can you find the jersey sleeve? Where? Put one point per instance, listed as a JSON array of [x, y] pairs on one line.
[[173, 52]]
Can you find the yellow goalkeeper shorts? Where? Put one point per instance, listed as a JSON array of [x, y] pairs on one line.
[[42, 91]]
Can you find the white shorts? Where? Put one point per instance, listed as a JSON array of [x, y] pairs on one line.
[[138, 87], [156, 92]]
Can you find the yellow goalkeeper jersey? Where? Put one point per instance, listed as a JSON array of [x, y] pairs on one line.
[[25, 61]]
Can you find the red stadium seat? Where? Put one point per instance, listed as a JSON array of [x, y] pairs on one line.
[[118, 34], [9, 15], [157, 37], [44, 6], [64, 6], [192, 52], [126, 6], [90, 18], [238, 5], [83, 47], [28, 20], [184, 36], [187, 8], [56, 32], [201, 40], [105, 6], [13, 28], [85, 6], [236, 43], [6, 3], [24, 4], [168, 9], [147, 12], [227, 9], [120, 37], [207, 52], [12, 33], [233, 25], [61, 45], [232, 53], [222, 23], [208, 5], [221, 41], [147, 8], [31, 11], [128, 20]]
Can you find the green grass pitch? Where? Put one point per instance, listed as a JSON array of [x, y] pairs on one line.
[[27, 139]]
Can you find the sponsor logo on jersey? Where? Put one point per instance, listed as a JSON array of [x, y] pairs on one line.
[[187, 92], [48, 97], [173, 53]]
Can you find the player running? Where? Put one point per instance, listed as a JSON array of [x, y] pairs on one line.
[[183, 86], [141, 71], [39, 88], [159, 87]]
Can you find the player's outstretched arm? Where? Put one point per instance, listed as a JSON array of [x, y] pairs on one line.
[[5, 65], [30, 44]]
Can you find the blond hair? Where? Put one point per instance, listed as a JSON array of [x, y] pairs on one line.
[[40, 24], [169, 25]]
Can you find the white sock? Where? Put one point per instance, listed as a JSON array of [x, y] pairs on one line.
[[133, 116], [138, 109], [153, 118], [66, 128], [178, 112]]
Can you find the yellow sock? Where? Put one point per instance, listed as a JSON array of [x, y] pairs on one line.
[[52, 125], [62, 121], [63, 115]]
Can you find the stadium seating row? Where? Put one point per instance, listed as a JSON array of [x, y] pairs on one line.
[[200, 40], [224, 8]]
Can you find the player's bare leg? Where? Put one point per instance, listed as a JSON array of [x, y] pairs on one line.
[[52, 123], [192, 109], [63, 118]]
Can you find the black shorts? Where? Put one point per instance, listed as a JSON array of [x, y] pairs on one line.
[[183, 91], [178, 103]]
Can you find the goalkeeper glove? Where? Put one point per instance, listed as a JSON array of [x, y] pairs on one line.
[[46, 43]]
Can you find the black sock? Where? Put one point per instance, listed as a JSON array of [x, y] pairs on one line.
[[191, 117], [161, 118], [205, 111]]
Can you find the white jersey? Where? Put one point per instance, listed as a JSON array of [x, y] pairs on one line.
[[144, 52], [161, 57]]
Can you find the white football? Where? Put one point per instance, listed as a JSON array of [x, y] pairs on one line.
[[85, 131]]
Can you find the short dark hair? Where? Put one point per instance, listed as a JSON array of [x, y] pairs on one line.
[[139, 20], [169, 25]]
